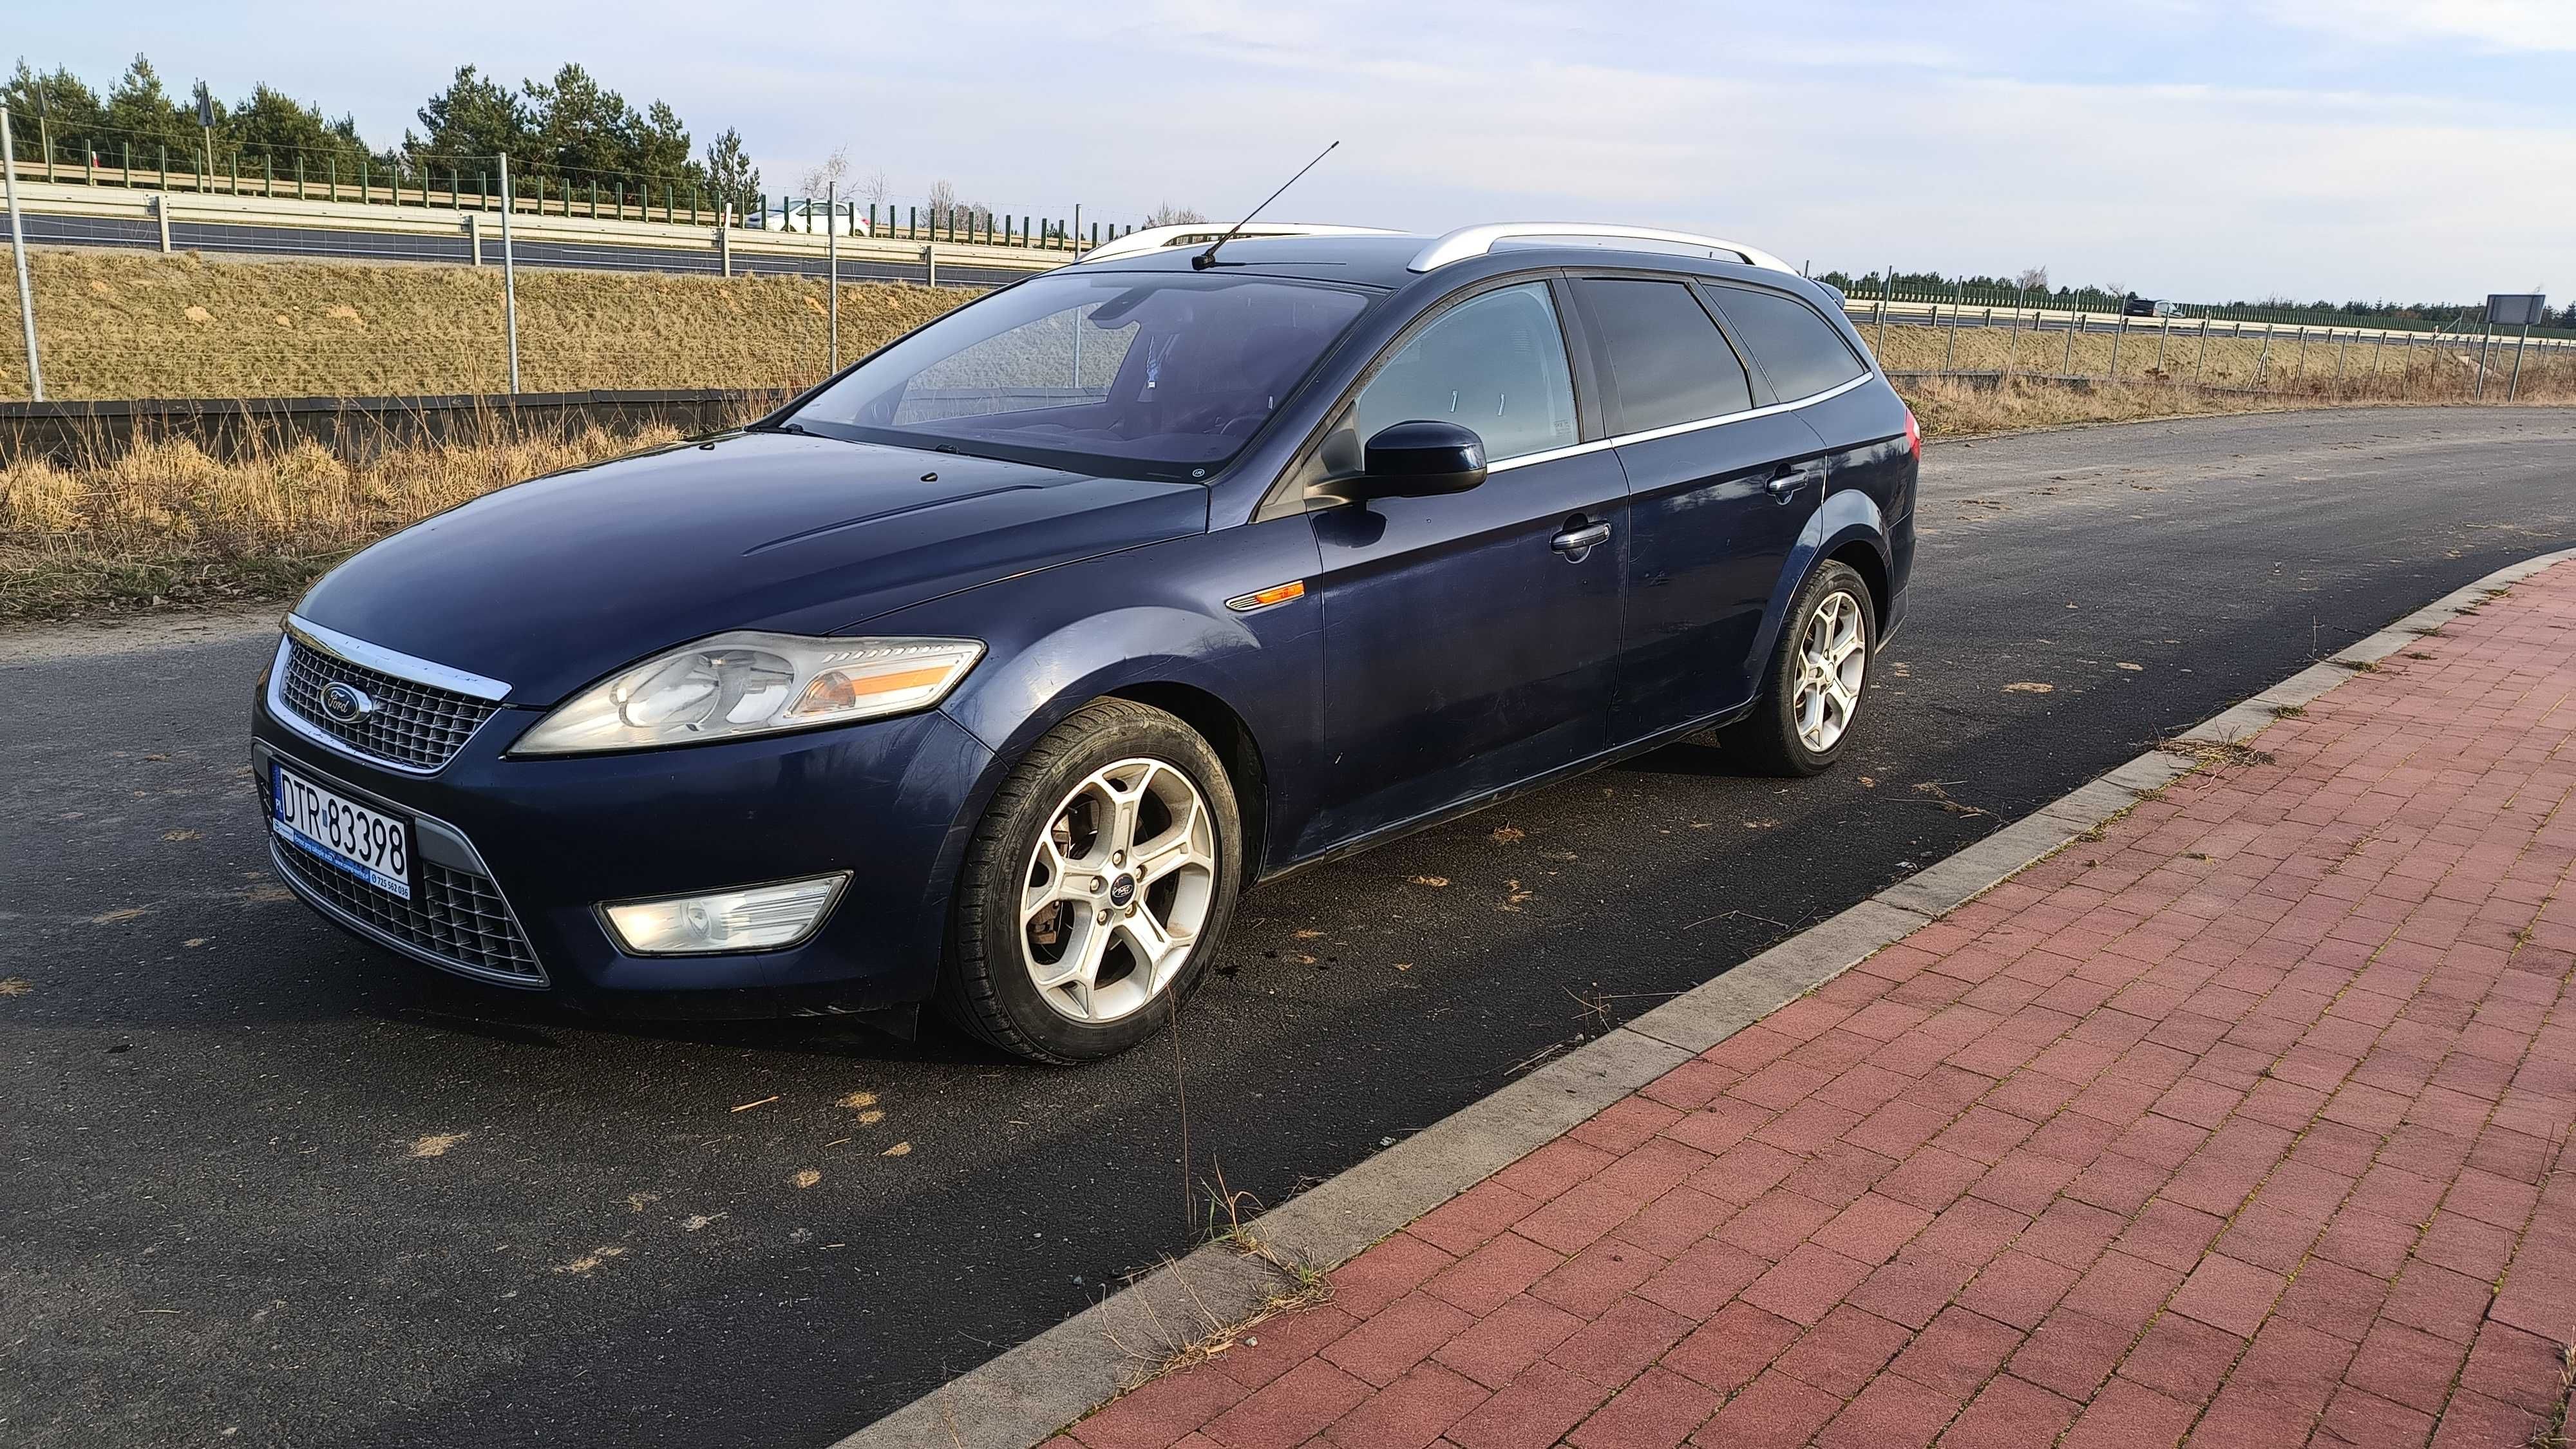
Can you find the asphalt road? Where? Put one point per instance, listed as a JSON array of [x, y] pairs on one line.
[[255, 1176]]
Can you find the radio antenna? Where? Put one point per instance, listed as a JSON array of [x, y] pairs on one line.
[[1207, 259]]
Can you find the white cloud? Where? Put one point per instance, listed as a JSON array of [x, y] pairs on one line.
[[2494, 25]]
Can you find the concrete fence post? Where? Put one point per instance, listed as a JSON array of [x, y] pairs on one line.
[[18, 256], [1958, 299], [832, 268], [930, 264], [2200, 364], [474, 237], [161, 214], [1886, 304], [509, 272]]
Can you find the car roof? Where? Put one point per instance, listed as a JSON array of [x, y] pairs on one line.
[[1385, 261]]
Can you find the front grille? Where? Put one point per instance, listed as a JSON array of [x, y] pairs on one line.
[[416, 725], [453, 916]]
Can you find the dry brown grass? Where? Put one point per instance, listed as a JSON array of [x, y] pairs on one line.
[[2368, 369], [126, 325], [164, 524]]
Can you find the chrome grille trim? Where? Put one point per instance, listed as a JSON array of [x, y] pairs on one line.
[[400, 666], [424, 714]]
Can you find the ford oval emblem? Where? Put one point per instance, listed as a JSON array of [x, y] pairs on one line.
[[346, 703]]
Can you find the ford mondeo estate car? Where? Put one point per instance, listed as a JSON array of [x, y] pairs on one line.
[[990, 671]]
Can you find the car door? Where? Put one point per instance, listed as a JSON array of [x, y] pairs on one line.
[[1719, 486], [1470, 639]]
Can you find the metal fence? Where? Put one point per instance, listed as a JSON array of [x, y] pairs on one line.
[[1921, 290], [2002, 346], [481, 183]]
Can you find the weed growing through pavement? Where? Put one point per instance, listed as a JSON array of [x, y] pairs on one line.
[[2215, 752], [2553, 1435]]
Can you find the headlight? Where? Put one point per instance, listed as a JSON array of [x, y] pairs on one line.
[[751, 684]]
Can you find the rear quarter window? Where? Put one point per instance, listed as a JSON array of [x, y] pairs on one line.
[[1666, 360], [1797, 348]]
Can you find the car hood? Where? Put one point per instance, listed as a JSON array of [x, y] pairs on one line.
[[557, 581]]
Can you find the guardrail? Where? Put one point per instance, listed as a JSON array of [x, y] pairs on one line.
[[472, 235]]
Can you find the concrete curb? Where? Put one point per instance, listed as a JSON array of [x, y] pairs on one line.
[[1030, 1392]]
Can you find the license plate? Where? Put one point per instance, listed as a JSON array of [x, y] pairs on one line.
[[367, 843]]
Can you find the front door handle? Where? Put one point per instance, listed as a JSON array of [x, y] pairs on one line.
[[1784, 485], [1578, 540]]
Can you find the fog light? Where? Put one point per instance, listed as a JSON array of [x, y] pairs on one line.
[[754, 918]]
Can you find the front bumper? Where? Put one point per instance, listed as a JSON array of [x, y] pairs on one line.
[[891, 801]]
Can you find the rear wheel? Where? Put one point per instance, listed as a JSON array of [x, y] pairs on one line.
[[1096, 887], [1818, 678]]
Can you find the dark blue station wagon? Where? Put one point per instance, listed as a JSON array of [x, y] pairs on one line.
[[993, 669]]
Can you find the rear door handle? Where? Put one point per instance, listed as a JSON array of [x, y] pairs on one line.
[[1784, 485], [1578, 541]]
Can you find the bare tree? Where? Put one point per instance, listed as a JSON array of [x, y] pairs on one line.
[[872, 189], [2032, 279], [833, 170], [1170, 215], [948, 209]]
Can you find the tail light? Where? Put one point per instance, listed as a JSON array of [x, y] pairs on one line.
[[1913, 435]]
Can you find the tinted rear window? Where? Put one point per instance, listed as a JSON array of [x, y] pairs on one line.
[[1798, 349], [1667, 361]]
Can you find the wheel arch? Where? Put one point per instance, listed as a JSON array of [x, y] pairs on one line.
[[1847, 528], [1864, 556], [1231, 736]]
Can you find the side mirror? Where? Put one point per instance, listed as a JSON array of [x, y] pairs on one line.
[[1418, 459]]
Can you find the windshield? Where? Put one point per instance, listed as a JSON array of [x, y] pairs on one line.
[[1141, 375]]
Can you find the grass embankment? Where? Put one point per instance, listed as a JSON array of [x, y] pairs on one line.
[[166, 525], [126, 325]]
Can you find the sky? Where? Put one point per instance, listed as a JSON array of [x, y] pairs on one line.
[[2205, 150]]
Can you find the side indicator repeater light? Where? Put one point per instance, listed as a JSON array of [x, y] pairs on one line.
[[1275, 594]]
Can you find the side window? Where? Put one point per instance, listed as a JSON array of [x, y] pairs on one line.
[[1666, 360], [1494, 364], [1800, 351]]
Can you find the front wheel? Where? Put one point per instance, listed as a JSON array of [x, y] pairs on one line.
[[1812, 693], [1096, 887]]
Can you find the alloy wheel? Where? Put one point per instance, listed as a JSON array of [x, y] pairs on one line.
[[1117, 890], [1833, 656]]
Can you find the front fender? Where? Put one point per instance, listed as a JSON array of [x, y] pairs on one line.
[[1152, 616], [1843, 518], [1049, 677]]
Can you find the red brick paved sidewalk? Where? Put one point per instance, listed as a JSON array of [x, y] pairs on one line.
[[2243, 1125]]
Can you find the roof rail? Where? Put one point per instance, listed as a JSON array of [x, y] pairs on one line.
[[1476, 241], [1156, 238]]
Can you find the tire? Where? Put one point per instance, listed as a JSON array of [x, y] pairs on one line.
[[1052, 950], [1805, 718]]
